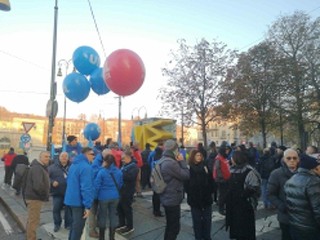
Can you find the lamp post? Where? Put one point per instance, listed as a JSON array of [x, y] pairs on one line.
[[5, 5], [52, 106], [64, 63]]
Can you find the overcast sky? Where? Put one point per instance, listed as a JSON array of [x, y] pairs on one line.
[[149, 28]]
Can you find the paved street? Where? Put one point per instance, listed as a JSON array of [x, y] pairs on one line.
[[147, 227]]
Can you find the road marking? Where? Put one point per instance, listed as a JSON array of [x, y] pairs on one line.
[[5, 224]]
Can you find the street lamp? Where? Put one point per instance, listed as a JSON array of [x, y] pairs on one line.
[[66, 64], [5, 5], [52, 105]]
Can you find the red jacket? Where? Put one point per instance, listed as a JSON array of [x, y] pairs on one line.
[[137, 157], [117, 155], [7, 158], [221, 169]]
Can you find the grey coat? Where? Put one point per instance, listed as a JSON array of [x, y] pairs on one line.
[[174, 174], [276, 195]]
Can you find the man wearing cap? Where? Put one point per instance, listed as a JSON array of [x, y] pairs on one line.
[[174, 171], [302, 197]]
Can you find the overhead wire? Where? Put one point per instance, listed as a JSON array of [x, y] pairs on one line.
[[97, 28]]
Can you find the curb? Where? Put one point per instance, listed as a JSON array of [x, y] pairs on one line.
[[13, 215]]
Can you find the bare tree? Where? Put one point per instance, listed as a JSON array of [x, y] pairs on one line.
[[293, 36], [194, 76]]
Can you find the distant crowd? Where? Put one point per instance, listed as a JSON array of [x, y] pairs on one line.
[[99, 185]]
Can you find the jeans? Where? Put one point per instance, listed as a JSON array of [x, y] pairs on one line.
[[156, 203], [108, 209], [125, 211], [285, 231], [222, 191], [201, 219], [300, 234], [77, 224], [8, 174], [57, 202], [34, 209], [172, 222], [264, 192]]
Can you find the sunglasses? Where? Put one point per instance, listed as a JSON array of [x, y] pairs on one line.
[[291, 158], [92, 154]]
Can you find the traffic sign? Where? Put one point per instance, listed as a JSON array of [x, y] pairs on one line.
[[27, 126], [25, 138]]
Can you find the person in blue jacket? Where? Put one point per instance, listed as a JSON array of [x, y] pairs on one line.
[[80, 193], [107, 185], [73, 148], [96, 166]]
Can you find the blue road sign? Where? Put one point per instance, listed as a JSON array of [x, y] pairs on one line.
[[25, 138]]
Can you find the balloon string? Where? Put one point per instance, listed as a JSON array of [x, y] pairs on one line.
[[97, 29]]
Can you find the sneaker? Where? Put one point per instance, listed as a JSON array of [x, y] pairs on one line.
[[56, 228], [118, 228], [126, 230]]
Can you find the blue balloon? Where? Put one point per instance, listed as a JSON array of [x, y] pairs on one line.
[[98, 85], [92, 131], [76, 87], [85, 59]]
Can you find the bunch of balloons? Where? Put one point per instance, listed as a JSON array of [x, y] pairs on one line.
[[123, 73]]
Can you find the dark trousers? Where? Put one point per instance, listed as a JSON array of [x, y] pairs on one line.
[[172, 222], [156, 203], [201, 219], [285, 231], [77, 224], [145, 176], [8, 174], [58, 205], [222, 190], [125, 211], [301, 234]]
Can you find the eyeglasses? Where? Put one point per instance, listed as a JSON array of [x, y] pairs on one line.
[[292, 158]]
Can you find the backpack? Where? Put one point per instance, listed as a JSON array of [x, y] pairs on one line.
[[157, 182], [20, 176]]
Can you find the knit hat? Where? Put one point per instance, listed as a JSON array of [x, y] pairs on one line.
[[170, 145], [308, 162], [71, 138]]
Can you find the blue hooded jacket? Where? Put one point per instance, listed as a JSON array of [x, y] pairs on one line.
[[79, 191], [104, 185]]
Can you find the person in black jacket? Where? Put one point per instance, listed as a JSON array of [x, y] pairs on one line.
[[199, 190], [36, 192], [19, 159], [58, 174], [275, 189], [129, 173], [303, 200]]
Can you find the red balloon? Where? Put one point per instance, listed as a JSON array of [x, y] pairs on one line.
[[123, 72]]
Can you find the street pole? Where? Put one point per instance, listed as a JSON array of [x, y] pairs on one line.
[[66, 64], [119, 124], [53, 85]]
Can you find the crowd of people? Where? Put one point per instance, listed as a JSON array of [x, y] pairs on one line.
[[100, 183]]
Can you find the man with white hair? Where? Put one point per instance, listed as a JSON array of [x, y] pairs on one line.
[[303, 205], [275, 189]]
